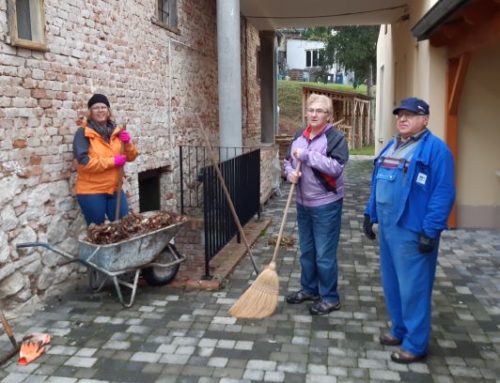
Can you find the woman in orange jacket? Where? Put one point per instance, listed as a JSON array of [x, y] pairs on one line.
[[97, 148]]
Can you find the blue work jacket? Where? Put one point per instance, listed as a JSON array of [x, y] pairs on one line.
[[429, 190]]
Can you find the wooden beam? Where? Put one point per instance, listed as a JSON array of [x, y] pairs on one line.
[[453, 29], [457, 71], [452, 141], [438, 39], [487, 33], [477, 13], [457, 83]]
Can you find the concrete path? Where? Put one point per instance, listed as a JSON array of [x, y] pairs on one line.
[[176, 335]]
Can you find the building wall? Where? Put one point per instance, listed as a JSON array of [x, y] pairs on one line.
[[162, 84], [251, 108], [385, 101], [411, 68], [414, 68], [296, 52], [296, 59], [478, 197]]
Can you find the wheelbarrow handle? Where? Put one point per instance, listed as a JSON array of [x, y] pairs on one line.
[[32, 244], [45, 245]]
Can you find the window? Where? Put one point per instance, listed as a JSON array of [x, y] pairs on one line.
[[312, 58], [27, 23], [167, 12]]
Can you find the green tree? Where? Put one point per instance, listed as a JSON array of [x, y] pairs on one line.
[[354, 47]]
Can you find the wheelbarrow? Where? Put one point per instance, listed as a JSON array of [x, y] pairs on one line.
[[154, 253]]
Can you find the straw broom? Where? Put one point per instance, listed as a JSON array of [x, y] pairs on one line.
[[261, 298]]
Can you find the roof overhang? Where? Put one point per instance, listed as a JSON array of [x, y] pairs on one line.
[[276, 14], [461, 25], [436, 16]]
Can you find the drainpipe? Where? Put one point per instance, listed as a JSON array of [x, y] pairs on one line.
[[229, 67]]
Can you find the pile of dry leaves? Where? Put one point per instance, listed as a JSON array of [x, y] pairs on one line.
[[286, 241], [130, 226]]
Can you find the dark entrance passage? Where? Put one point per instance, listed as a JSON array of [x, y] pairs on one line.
[[149, 190]]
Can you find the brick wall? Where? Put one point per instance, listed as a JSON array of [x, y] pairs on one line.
[[251, 85], [161, 83]]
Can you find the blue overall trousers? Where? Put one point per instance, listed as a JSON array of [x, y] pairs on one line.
[[407, 275]]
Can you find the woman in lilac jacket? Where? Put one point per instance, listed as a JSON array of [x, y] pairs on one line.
[[322, 151]]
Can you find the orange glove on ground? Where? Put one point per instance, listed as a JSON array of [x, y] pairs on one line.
[[32, 347]]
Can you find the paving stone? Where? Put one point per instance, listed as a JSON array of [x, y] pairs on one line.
[[58, 379], [62, 350], [148, 357], [385, 375], [228, 373], [117, 345], [261, 365], [35, 379], [231, 380], [253, 374], [182, 335], [312, 378], [80, 361], [152, 368], [274, 376], [165, 378], [217, 362], [174, 359], [15, 378]]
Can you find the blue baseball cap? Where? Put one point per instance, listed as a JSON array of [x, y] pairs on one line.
[[414, 105]]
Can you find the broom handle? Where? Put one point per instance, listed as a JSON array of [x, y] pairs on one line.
[[283, 220], [228, 196], [121, 174]]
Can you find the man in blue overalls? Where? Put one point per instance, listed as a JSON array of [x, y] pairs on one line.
[[412, 194]]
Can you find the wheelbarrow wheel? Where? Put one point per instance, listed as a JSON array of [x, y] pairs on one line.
[[159, 276]]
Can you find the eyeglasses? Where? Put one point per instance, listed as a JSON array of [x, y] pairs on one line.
[[317, 111]]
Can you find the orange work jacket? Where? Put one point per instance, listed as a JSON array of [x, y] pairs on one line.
[[100, 175]]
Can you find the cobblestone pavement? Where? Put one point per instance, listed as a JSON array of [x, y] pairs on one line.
[[173, 335]]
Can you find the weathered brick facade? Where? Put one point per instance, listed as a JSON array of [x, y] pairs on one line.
[[161, 83]]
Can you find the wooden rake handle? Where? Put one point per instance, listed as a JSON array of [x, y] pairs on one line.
[[121, 174], [8, 329], [215, 164], [283, 220]]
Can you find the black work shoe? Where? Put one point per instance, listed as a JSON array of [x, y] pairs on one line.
[[389, 340], [406, 357], [301, 296], [323, 307]]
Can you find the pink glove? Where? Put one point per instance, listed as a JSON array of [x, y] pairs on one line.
[[120, 160], [124, 136]]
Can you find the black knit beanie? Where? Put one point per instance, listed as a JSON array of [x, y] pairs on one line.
[[98, 98]]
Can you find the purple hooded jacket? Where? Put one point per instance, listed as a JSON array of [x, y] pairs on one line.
[[323, 159]]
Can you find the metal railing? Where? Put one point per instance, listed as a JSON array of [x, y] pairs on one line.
[[201, 191], [192, 159]]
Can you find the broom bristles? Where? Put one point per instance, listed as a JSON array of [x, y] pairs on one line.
[[261, 298]]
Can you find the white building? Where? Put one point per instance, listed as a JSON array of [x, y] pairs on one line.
[[300, 59]]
